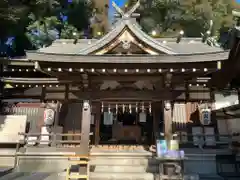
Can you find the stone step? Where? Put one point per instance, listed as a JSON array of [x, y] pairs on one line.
[[5, 170], [56, 176], [122, 161], [121, 176], [14, 176], [7, 157], [124, 169], [7, 161], [35, 176]]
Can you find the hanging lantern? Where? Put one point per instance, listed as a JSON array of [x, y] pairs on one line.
[[123, 107], [49, 115], [102, 107], [142, 106], [136, 107], [150, 107], [109, 109], [116, 108], [205, 116], [130, 108]]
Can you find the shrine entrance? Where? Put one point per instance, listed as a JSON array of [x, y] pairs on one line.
[[126, 124]]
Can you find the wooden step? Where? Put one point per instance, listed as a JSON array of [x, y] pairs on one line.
[[77, 176], [78, 162]]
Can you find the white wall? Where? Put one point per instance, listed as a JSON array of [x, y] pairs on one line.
[[223, 101], [10, 126]]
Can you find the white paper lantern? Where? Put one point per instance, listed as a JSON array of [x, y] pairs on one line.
[[49, 116], [205, 116]]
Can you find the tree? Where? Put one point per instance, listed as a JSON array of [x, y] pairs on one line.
[[36, 23], [11, 16], [192, 16]]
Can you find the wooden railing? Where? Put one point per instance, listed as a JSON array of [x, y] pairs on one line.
[[202, 140], [55, 139], [190, 140]]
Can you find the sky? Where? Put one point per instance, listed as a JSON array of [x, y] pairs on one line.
[[111, 12], [238, 1]]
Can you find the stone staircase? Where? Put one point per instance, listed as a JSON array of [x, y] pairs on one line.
[[122, 166]]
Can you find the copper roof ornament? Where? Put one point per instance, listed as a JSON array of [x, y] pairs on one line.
[[129, 14]]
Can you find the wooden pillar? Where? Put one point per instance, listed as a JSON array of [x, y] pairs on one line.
[[238, 92], [1, 87], [167, 111], [97, 123], [66, 93], [86, 121], [43, 94], [157, 112], [57, 110]]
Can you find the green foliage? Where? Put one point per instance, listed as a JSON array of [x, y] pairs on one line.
[[70, 32], [192, 16], [40, 22], [42, 32], [11, 17]]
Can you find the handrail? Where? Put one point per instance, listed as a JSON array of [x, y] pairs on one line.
[[194, 138], [53, 138], [52, 134]]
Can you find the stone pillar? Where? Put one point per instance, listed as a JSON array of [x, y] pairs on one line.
[[85, 132], [167, 111]]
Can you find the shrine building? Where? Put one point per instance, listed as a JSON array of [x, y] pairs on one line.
[[126, 87]]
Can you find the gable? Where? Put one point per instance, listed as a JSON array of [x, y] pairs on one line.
[[126, 43]]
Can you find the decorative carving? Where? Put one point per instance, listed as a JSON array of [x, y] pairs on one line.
[[167, 105], [126, 44], [168, 79]]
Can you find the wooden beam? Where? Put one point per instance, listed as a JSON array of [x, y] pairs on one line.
[[25, 80], [20, 62], [121, 94], [126, 78], [121, 62], [61, 90]]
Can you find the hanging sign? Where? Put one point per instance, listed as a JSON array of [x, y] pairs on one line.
[[205, 116], [92, 119], [142, 117], [48, 116], [107, 118]]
